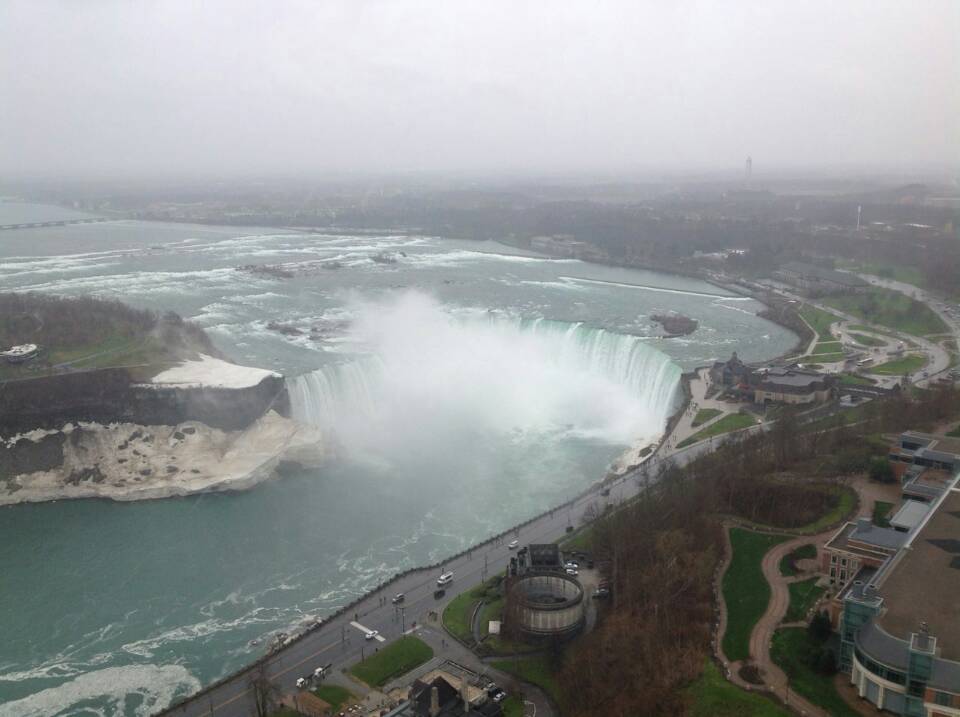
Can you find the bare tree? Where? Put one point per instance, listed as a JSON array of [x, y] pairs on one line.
[[265, 691]]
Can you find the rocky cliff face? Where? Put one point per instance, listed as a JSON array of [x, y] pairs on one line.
[[124, 461], [100, 434], [111, 396]]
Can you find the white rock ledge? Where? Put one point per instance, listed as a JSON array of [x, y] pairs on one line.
[[125, 462], [210, 372]]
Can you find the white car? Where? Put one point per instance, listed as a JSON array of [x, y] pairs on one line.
[[571, 564], [512, 545], [318, 673], [572, 571], [370, 635], [445, 579], [301, 682]]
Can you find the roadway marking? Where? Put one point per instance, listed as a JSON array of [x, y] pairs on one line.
[[278, 674], [367, 632]]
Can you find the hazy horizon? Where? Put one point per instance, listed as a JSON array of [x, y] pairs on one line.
[[115, 89]]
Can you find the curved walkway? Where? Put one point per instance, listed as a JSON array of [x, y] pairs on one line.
[[774, 679], [762, 636]]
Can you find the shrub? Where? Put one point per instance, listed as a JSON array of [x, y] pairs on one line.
[[881, 470]]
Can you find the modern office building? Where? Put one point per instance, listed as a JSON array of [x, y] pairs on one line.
[[899, 609]]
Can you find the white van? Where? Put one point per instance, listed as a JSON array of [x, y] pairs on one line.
[[445, 579]]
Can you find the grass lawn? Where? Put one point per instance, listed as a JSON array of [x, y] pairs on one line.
[[955, 432], [897, 272], [535, 670], [890, 308], [733, 422], [803, 595], [865, 340], [908, 364], [819, 320], [492, 610], [881, 509], [334, 695], [850, 379], [804, 551], [713, 696], [512, 707], [397, 658], [845, 506], [704, 415], [582, 540], [457, 614], [829, 358], [827, 347], [745, 590], [790, 648]]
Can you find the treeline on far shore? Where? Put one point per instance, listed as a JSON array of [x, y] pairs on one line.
[[653, 639]]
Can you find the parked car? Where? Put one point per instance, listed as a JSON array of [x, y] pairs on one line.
[[571, 564], [301, 683], [601, 593], [513, 544], [318, 673], [499, 696], [398, 598], [370, 635], [572, 571]]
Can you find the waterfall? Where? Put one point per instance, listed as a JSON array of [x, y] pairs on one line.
[[427, 373]]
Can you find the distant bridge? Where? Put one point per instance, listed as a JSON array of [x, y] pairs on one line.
[[60, 223]]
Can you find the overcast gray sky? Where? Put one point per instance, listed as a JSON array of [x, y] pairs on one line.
[[94, 87]]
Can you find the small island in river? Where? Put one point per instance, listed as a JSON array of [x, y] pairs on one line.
[[676, 324]]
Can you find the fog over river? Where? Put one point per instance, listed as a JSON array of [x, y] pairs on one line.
[[469, 387]]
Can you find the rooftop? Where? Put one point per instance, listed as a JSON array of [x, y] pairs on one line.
[[867, 540], [924, 584], [926, 482], [931, 442], [910, 515], [795, 378]]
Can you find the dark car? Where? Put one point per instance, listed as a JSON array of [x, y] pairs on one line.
[[439, 593]]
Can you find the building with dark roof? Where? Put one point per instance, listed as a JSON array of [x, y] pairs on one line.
[[900, 620], [791, 385], [927, 450], [438, 698], [817, 281]]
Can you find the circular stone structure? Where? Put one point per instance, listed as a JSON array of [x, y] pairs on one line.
[[548, 604]]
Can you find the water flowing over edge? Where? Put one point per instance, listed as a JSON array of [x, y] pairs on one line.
[[649, 376]]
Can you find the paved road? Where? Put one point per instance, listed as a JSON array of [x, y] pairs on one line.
[[936, 304], [342, 644]]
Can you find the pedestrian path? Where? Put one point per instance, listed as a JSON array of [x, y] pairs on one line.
[[773, 678]]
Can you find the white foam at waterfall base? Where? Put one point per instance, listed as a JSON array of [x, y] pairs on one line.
[[432, 380]]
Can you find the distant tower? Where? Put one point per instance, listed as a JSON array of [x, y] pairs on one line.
[[859, 209], [748, 170]]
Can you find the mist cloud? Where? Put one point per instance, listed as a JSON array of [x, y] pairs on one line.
[[116, 87]]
